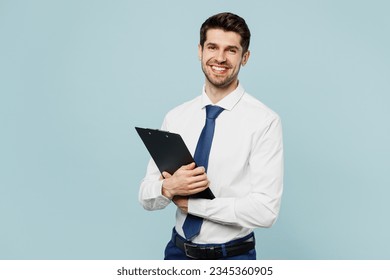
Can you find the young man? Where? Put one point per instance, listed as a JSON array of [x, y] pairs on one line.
[[237, 145]]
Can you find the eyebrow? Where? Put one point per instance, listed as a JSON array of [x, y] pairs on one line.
[[227, 47]]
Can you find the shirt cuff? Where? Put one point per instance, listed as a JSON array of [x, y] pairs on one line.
[[155, 199], [219, 210]]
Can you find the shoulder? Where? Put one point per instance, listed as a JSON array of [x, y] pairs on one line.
[[254, 108], [184, 108], [259, 119], [182, 115]]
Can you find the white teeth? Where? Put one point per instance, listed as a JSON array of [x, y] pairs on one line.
[[219, 68]]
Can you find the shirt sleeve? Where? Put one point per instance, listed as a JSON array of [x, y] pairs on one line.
[[150, 192], [260, 207]]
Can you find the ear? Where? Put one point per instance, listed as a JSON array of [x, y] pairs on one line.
[[245, 58], [200, 50]]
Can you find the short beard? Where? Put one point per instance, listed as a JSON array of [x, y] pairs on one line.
[[220, 83]]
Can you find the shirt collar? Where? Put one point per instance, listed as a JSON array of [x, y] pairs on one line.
[[228, 102]]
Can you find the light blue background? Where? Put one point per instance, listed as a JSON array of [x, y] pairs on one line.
[[77, 76]]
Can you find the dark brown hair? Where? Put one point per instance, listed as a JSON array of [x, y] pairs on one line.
[[227, 22]]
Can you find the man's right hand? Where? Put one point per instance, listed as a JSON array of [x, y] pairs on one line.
[[187, 180]]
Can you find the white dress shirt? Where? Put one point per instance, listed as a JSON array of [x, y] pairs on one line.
[[245, 167]]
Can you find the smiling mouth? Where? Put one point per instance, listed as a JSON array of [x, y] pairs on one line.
[[219, 69]]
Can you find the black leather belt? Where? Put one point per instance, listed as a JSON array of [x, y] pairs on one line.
[[214, 252]]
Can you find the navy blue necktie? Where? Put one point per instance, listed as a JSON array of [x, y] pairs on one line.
[[192, 224]]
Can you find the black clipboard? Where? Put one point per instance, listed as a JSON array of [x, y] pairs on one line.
[[169, 152]]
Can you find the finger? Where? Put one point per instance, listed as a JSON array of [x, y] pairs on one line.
[[196, 190], [198, 171], [166, 175], [199, 185], [198, 178], [189, 166]]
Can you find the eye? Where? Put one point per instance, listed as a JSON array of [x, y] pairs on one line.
[[211, 48], [232, 51]]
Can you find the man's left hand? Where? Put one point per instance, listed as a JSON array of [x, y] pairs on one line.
[[181, 202]]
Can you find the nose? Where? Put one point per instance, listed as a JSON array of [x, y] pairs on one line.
[[221, 56]]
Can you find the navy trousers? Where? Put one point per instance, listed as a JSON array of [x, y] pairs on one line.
[[172, 252]]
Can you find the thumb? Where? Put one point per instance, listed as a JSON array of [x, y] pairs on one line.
[[166, 175]]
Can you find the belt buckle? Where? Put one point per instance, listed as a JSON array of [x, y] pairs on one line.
[[187, 248], [200, 252]]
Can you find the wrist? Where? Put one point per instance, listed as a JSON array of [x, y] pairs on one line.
[[165, 192]]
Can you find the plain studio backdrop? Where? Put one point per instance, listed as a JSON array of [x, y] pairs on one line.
[[77, 76]]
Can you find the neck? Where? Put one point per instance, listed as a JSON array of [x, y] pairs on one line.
[[216, 93]]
